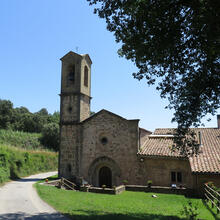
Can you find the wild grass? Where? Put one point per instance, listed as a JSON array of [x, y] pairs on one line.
[[126, 206], [25, 140], [15, 162]]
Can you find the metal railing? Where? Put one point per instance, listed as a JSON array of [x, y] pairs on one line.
[[213, 196], [66, 183]]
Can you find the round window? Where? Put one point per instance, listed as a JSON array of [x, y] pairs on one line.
[[104, 140]]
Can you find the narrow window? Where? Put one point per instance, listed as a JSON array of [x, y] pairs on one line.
[[179, 177], [173, 176], [86, 76], [69, 168], [71, 75], [70, 109]]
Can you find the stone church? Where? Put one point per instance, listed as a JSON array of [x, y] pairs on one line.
[[106, 149]]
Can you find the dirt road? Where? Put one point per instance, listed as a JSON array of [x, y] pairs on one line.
[[19, 200]]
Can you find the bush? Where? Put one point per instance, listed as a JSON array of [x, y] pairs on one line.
[[50, 136], [6, 112], [15, 163], [190, 211]]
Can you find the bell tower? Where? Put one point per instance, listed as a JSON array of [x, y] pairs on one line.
[[74, 108], [75, 88]]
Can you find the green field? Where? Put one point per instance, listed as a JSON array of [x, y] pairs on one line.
[[126, 206], [19, 139]]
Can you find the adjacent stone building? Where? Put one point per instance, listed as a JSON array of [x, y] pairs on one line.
[[106, 149]]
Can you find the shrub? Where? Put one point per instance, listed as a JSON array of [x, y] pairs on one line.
[[149, 182], [15, 163], [125, 182], [190, 211], [211, 185], [50, 136]]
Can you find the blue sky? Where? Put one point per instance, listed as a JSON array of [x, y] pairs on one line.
[[36, 34]]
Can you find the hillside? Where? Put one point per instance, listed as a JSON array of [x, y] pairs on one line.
[[19, 139], [21, 154]]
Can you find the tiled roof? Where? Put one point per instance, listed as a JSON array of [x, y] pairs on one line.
[[207, 161]]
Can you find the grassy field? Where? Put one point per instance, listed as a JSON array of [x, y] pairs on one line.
[[24, 140], [126, 206]]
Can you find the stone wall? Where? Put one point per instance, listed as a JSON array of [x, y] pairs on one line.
[[115, 191], [84, 107], [70, 111], [160, 189], [68, 63], [85, 89], [201, 179], [159, 171], [119, 152], [143, 135], [70, 150]]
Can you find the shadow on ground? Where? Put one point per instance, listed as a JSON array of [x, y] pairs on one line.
[[28, 180], [214, 214], [24, 216], [90, 215]]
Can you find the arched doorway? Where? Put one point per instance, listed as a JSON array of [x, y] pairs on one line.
[[105, 177], [95, 167]]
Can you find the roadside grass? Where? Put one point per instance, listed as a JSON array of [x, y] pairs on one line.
[[126, 206], [16, 162], [23, 140]]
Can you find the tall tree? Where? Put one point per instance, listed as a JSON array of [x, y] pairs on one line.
[[6, 112], [175, 44]]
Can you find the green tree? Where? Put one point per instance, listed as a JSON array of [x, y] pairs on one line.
[[21, 110], [175, 44], [43, 112], [23, 120], [6, 113], [55, 117], [50, 136]]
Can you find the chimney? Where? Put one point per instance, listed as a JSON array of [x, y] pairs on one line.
[[218, 120], [200, 138]]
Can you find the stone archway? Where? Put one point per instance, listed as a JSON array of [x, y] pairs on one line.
[[105, 177], [96, 167]]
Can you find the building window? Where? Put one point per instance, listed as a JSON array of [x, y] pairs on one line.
[[176, 177], [173, 176], [86, 76], [70, 109], [104, 140], [69, 168], [71, 75], [179, 177]]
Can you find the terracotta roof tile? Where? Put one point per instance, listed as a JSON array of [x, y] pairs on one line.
[[207, 161]]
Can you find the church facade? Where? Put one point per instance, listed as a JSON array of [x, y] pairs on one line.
[[107, 149]]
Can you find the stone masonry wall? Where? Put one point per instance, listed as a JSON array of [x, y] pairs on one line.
[[159, 171], [84, 107], [121, 146], [69, 110], [201, 179], [67, 65], [85, 89], [69, 150]]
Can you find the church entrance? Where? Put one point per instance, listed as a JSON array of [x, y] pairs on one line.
[[105, 177]]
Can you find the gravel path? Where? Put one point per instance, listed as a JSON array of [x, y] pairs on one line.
[[19, 200]]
